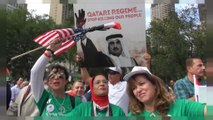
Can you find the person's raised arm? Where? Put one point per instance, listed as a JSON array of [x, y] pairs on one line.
[[85, 75], [37, 72], [36, 76]]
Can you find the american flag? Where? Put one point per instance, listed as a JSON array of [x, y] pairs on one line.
[[67, 33]]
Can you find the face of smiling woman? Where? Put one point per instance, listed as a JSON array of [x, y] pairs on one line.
[[144, 90], [100, 85]]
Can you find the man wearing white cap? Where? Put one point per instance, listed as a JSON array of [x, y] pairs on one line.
[[117, 88]]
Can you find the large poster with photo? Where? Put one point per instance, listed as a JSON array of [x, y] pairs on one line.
[[112, 47]]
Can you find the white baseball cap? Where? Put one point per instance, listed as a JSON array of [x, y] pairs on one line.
[[116, 69], [137, 70]]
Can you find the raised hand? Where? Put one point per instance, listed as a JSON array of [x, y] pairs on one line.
[[54, 45], [78, 58], [80, 18]]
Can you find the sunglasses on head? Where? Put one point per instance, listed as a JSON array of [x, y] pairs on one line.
[[112, 72]]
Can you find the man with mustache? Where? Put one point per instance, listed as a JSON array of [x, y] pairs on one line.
[[118, 52]]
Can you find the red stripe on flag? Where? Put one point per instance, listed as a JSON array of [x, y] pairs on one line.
[[71, 32], [40, 37], [62, 33], [46, 38], [65, 32], [67, 45]]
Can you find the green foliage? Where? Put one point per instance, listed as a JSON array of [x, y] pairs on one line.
[[21, 29], [2, 35], [172, 40]]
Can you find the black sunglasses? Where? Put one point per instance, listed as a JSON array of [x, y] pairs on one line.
[[113, 72]]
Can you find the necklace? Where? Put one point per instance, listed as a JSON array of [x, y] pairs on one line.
[[152, 115], [94, 109], [61, 105]]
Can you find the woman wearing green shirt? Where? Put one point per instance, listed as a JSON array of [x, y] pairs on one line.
[[99, 106], [150, 98], [52, 102]]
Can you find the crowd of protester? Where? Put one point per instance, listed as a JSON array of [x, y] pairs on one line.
[[135, 93]]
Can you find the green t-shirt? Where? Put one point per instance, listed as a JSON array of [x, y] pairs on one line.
[[85, 110], [56, 106], [179, 108]]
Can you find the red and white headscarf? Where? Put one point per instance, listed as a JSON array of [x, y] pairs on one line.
[[100, 100]]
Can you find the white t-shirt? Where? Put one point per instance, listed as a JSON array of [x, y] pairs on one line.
[[118, 95]]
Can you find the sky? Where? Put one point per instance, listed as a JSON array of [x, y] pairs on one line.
[[148, 14], [39, 7], [44, 8]]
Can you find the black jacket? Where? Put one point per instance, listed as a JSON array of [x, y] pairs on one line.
[[93, 57]]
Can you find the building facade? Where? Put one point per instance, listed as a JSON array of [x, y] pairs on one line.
[[161, 9], [60, 10]]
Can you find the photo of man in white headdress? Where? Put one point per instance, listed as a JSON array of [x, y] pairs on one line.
[[117, 51], [111, 42]]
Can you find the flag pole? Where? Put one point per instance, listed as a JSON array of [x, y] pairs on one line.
[[28, 52], [36, 49]]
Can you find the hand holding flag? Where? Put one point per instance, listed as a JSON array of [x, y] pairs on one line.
[[56, 35], [69, 36]]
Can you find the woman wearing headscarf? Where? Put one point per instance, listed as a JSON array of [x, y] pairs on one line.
[[99, 105], [150, 98]]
